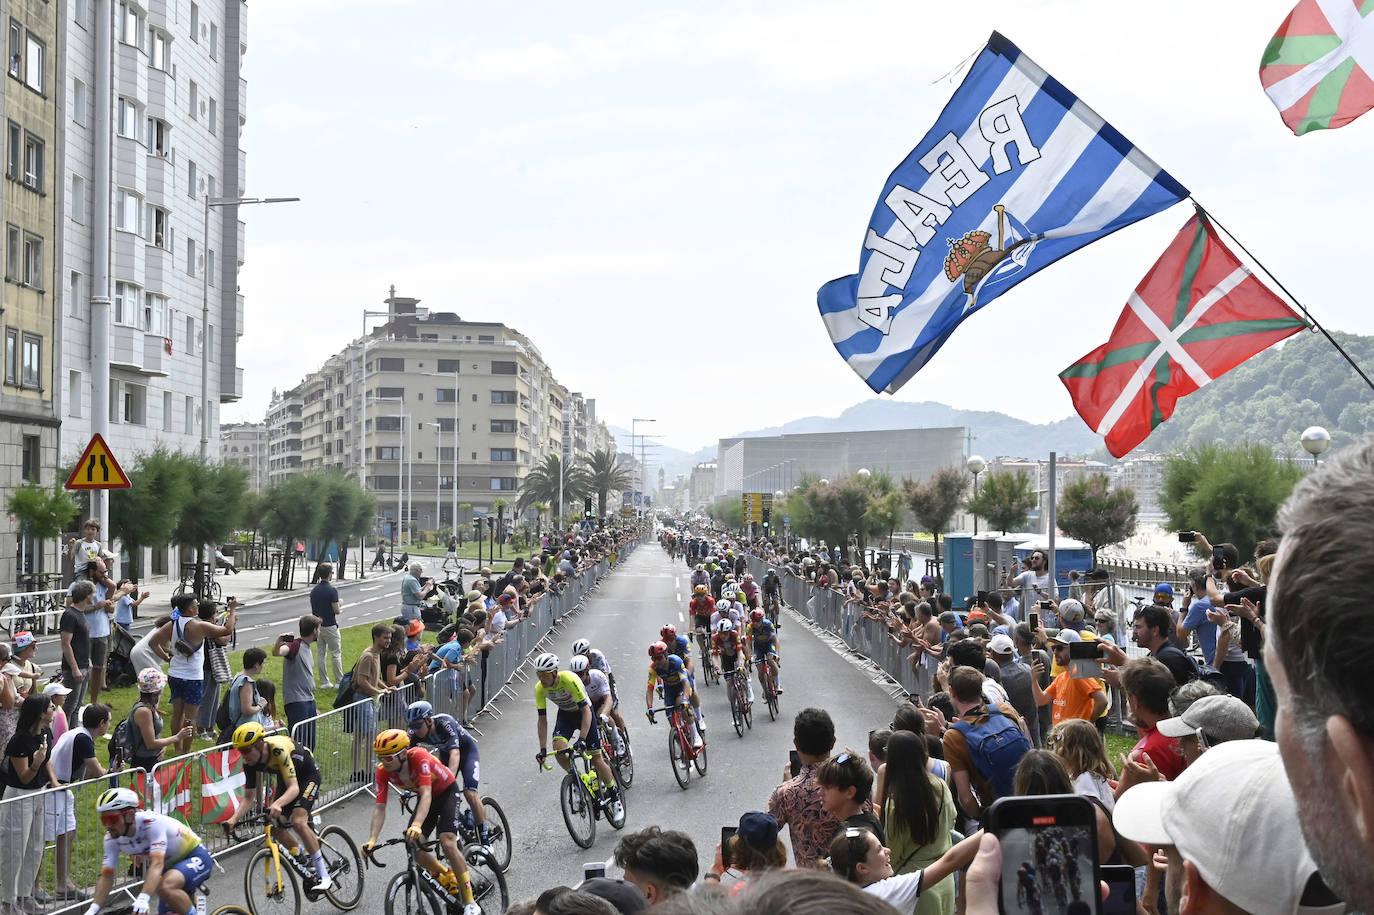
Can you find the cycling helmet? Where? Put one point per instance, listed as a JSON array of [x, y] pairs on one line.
[[546, 662], [581, 646], [668, 633], [418, 710], [657, 650], [390, 742], [151, 680], [748, 576], [701, 567], [725, 626], [700, 589], [22, 640], [116, 800], [756, 616], [248, 734], [579, 664], [772, 571]]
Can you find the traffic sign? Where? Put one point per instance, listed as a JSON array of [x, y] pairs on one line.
[[97, 468], [754, 503]]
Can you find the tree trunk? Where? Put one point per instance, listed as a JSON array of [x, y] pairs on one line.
[[601, 496], [343, 560], [199, 584], [287, 555]]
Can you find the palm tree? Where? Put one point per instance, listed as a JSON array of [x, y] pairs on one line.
[[605, 474], [541, 484]]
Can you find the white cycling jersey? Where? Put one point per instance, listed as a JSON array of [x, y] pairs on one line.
[[153, 834], [598, 661], [598, 686]]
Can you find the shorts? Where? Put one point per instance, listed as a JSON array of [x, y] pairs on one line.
[[191, 692], [569, 723], [308, 777], [443, 812], [672, 693], [470, 767], [702, 622], [764, 652], [100, 650], [59, 815], [196, 868], [728, 662]]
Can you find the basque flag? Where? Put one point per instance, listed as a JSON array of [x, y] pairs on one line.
[[1016, 173]]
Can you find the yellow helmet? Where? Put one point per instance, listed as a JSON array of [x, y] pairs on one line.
[[700, 589], [390, 742], [247, 735]]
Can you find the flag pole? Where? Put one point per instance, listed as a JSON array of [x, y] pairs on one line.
[[1292, 298]]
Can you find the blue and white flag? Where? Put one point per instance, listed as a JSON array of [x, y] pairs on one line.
[[1015, 174]]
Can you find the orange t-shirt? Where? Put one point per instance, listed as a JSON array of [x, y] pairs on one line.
[[1072, 698]]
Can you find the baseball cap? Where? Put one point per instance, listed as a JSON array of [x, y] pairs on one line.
[[1164, 588], [55, 688], [1070, 609], [414, 628], [626, 897], [758, 830], [1066, 636], [1254, 856], [1001, 644], [1221, 718]]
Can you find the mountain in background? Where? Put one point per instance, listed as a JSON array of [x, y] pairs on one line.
[[674, 461]]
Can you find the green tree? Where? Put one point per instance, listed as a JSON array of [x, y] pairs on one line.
[[541, 485], [294, 511], [348, 513], [42, 512], [728, 512], [836, 510], [605, 474], [214, 511], [147, 513], [933, 502], [1231, 494], [1091, 511], [1005, 499]]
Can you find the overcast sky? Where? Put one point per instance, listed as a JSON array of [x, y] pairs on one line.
[[654, 197]]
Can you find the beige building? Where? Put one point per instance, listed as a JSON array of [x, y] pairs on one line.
[[245, 445], [701, 486], [32, 202]]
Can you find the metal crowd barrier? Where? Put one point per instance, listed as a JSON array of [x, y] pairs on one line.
[[37, 611]]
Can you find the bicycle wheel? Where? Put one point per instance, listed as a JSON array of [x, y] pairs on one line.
[[488, 881], [677, 756], [700, 759], [498, 832], [578, 815], [405, 896], [269, 889], [216, 592], [231, 910], [736, 715], [344, 863], [624, 766]]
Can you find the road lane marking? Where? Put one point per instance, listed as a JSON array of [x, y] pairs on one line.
[[373, 588], [680, 617]]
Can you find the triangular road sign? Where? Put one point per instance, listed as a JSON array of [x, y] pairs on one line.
[[98, 469]]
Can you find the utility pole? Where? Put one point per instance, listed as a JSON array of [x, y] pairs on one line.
[[100, 241]]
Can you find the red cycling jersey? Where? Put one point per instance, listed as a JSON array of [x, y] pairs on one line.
[[419, 769], [702, 605]]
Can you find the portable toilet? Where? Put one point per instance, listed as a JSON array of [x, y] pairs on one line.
[[1069, 556], [958, 550], [984, 565], [1006, 551]]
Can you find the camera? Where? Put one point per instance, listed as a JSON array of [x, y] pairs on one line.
[[1045, 604], [1187, 537]]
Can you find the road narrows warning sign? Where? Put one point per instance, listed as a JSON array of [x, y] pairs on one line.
[[97, 468]]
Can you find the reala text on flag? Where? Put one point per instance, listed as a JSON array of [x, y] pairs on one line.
[[1016, 173]]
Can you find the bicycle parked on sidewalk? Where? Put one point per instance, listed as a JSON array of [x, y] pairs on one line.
[[683, 755], [417, 891], [268, 886], [583, 797]]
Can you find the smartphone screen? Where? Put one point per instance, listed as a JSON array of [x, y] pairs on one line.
[[593, 870], [1034, 620], [794, 761], [725, 833], [1120, 880], [1187, 537], [1049, 854]]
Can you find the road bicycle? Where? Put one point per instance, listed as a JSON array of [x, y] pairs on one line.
[[121, 902], [622, 764], [498, 842], [770, 687], [417, 891], [682, 755], [710, 674], [741, 709], [270, 888], [772, 603], [583, 797]]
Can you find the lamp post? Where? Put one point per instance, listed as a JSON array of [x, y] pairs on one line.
[[205, 306], [639, 468], [1315, 440], [976, 465], [438, 490]]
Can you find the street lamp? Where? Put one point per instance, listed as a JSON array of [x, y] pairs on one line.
[[438, 490], [205, 307], [1315, 441], [639, 468], [976, 465]]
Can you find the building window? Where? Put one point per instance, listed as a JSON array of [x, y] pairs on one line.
[[155, 314], [158, 138], [391, 365], [503, 397], [195, 23], [503, 484], [126, 304], [130, 24], [33, 163], [190, 257], [502, 454], [485, 338], [389, 453], [190, 334], [448, 366], [166, 411], [157, 47], [74, 295], [503, 426], [188, 424], [128, 211], [74, 394], [446, 424], [446, 395], [16, 50], [210, 266], [388, 424], [34, 65], [160, 221], [133, 405], [78, 200], [213, 187], [33, 261], [128, 118], [13, 240], [33, 360], [214, 116], [503, 368], [390, 394], [79, 102], [190, 179], [11, 355], [15, 151], [195, 100], [31, 461]]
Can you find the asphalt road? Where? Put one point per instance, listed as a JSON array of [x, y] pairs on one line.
[[622, 618]]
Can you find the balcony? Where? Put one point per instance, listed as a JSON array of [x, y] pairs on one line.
[[161, 178], [231, 391], [131, 72], [243, 100], [162, 94], [156, 359], [243, 25], [126, 347], [243, 171], [238, 314], [241, 241], [159, 268]]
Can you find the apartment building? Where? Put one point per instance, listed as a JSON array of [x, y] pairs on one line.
[[31, 201], [1143, 473], [179, 106], [245, 445], [433, 412]]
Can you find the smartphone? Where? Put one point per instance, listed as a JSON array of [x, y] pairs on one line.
[[1083, 651], [1033, 618], [1120, 880], [982, 597], [1187, 537], [1218, 557], [1046, 604], [1049, 841], [794, 761], [726, 833], [593, 870], [1084, 660]]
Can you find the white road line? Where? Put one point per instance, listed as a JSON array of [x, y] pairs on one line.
[[680, 617], [373, 588]]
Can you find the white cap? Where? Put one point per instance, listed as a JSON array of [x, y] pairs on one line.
[[55, 688], [1254, 855], [1066, 636], [1001, 644]]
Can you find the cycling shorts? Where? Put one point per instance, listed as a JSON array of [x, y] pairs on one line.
[[308, 777], [728, 662], [443, 812], [765, 651], [470, 767], [672, 693], [566, 724], [196, 867], [702, 622]]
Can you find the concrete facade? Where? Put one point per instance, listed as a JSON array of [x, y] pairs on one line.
[[701, 486], [32, 204], [1143, 473], [245, 445]]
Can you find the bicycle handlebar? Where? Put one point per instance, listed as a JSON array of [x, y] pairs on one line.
[[369, 853]]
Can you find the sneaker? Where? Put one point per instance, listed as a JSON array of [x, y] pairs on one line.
[[325, 885], [29, 905], [41, 895], [472, 908], [697, 742], [617, 810]]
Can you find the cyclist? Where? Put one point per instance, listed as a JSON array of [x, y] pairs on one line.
[[455, 748], [700, 576], [176, 863], [436, 805], [726, 643], [574, 716], [599, 694], [772, 594], [727, 608], [298, 784], [751, 590], [765, 640], [701, 606], [668, 669], [598, 661]]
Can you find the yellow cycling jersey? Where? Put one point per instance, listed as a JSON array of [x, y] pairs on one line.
[[278, 756], [567, 693]]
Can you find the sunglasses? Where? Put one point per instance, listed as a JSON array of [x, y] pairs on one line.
[[111, 820]]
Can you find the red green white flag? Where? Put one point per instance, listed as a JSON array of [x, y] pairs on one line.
[[1318, 69], [222, 784], [1195, 316]]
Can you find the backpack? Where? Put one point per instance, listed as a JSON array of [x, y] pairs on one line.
[[122, 743], [346, 694], [995, 746]]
